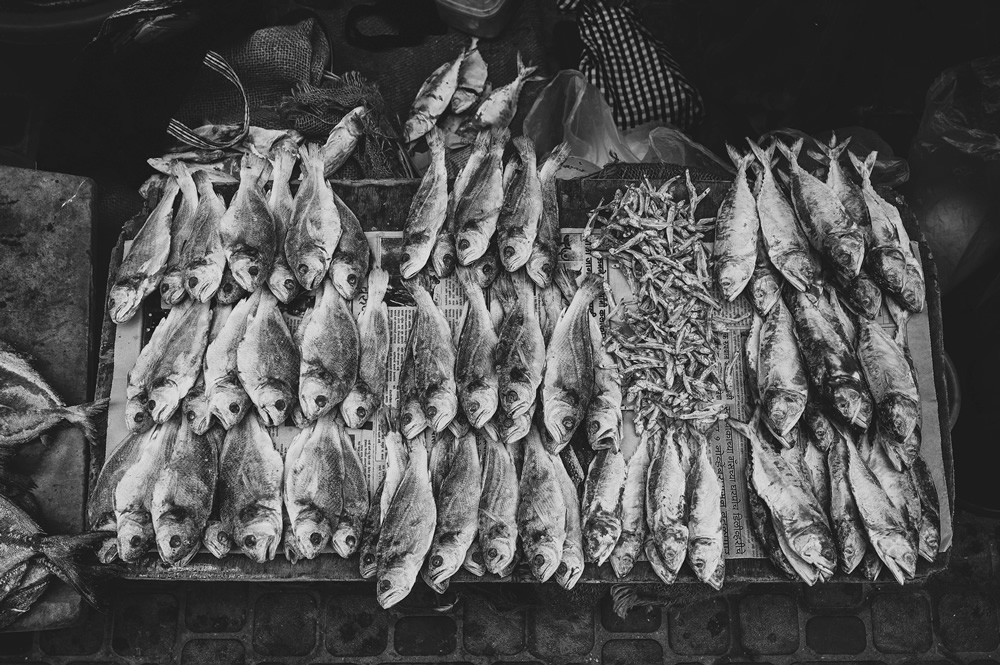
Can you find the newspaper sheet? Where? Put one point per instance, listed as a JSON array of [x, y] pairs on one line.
[[728, 450]]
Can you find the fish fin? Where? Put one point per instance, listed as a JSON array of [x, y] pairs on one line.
[[566, 282], [739, 160], [791, 152], [435, 140], [523, 70], [554, 162], [378, 284], [870, 162], [65, 554], [820, 157], [524, 146], [785, 178], [83, 416]]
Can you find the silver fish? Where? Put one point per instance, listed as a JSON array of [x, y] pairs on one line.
[[541, 509], [706, 544], [571, 566], [267, 362], [604, 415], [930, 510], [229, 289], [411, 415], [342, 140], [861, 294], [479, 196], [216, 540], [666, 506], [134, 492], [737, 231], [101, 502], [763, 529], [247, 228], [885, 258], [396, 457], [487, 267], [250, 477], [552, 305], [314, 467], [633, 533], [282, 280], [354, 488], [471, 79], [602, 504], [315, 227], [900, 489], [142, 267], [781, 374], [428, 211], [350, 262], [227, 399], [568, 383], [432, 99], [330, 348], [521, 212], [179, 361], [181, 236], [497, 505], [544, 256], [206, 261], [890, 379], [848, 529], [434, 360], [367, 395], [520, 352], [765, 283], [474, 561], [849, 193], [498, 109], [476, 372]]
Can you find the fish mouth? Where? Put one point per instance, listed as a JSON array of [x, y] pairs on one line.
[[484, 414], [543, 565], [473, 250], [567, 577], [442, 419], [311, 270], [248, 273], [391, 596], [622, 565], [263, 549], [123, 304], [513, 256], [345, 542], [135, 536], [272, 415], [732, 279], [176, 548], [440, 569], [598, 548], [219, 545], [162, 404], [228, 410]]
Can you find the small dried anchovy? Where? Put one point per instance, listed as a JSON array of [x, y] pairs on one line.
[[666, 341]]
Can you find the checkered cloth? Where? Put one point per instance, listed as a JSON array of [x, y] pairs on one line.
[[633, 70]]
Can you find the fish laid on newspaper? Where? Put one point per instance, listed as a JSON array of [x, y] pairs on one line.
[[603, 504], [412, 420], [633, 535], [521, 212], [396, 457], [667, 505], [544, 256], [571, 566], [765, 283], [497, 504], [475, 371], [706, 545], [330, 347], [29, 406], [520, 354], [227, 399], [890, 380], [353, 255], [182, 231], [250, 477], [144, 263], [786, 244], [407, 529], [247, 228], [267, 362], [432, 99], [101, 505], [315, 227], [342, 140], [541, 509], [478, 202], [428, 211], [779, 369], [179, 360], [368, 392], [354, 490], [206, 261], [284, 155], [736, 232], [848, 529], [314, 466], [433, 359], [604, 416]]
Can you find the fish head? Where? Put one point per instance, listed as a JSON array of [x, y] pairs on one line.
[[177, 536], [414, 257], [707, 560], [569, 573], [358, 406], [346, 538], [889, 265], [847, 252], [217, 540], [471, 245], [897, 553], [816, 548], [800, 269], [854, 405], [498, 553], [108, 551], [135, 535], [782, 409], [540, 268], [259, 536], [394, 584], [561, 420], [733, 277], [443, 561], [600, 534], [603, 427], [346, 279], [900, 416], [412, 420], [163, 401], [443, 258], [481, 403], [625, 552], [315, 395], [312, 532], [475, 562], [514, 428], [486, 269], [282, 283], [229, 403], [172, 288], [516, 397], [123, 302], [416, 126], [275, 402], [851, 542], [313, 264], [249, 268], [913, 293], [440, 407], [198, 415], [544, 560], [514, 252], [137, 418]]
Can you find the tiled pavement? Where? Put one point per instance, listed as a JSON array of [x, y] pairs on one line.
[[952, 618]]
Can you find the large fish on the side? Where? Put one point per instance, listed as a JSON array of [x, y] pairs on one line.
[[780, 370], [267, 362], [849, 193], [428, 211], [604, 415], [848, 529], [407, 529], [786, 244], [247, 228], [350, 262], [182, 233], [520, 353], [900, 488], [330, 347], [544, 256], [498, 109], [633, 534], [183, 492], [890, 379], [250, 478], [861, 294], [706, 544], [282, 280], [227, 399], [101, 506], [568, 383], [396, 457], [602, 504], [205, 259], [471, 79], [354, 490], [368, 392], [737, 230], [475, 369], [829, 358], [762, 526], [930, 509], [181, 358], [573, 560], [433, 360], [497, 504], [315, 227], [133, 494], [541, 508], [829, 227], [311, 492], [478, 202], [142, 266], [521, 212], [456, 477], [666, 506], [29, 406], [432, 99]]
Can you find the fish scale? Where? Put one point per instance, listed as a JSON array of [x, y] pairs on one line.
[[433, 360], [181, 236], [282, 280], [315, 227], [541, 509], [311, 492], [521, 211], [476, 374], [329, 348], [267, 362], [497, 505], [367, 395], [247, 228]]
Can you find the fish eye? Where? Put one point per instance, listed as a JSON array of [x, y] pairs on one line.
[[369, 559], [594, 427], [192, 282], [234, 407], [320, 402], [280, 405], [538, 561], [151, 404], [487, 269], [289, 284], [492, 553], [508, 252], [315, 538], [562, 568], [163, 288], [138, 417], [405, 257], [303, 268], [384, 585], [474, 407], [227, 288], [432, 411], [477, 556], [463, 244], [437, 561], [567, 422], [510, 396], [351, 541], [190, 416], [175, 541], [253, 270], [111, 302], [135, 541], [352, 279], [249, 541], [362, 412], [407, 417]]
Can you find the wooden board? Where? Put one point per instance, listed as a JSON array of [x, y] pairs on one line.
[[383, 205], [45, 306]]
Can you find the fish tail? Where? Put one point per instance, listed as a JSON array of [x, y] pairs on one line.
[[435, 140], [523, 70], [525, 148], [252, 167], [84, 415], [739, 160], [484, 140], [473, 45], [66, 554], [764, 155], [378, 284], [592, 284], [554, 161], [791, 152]]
